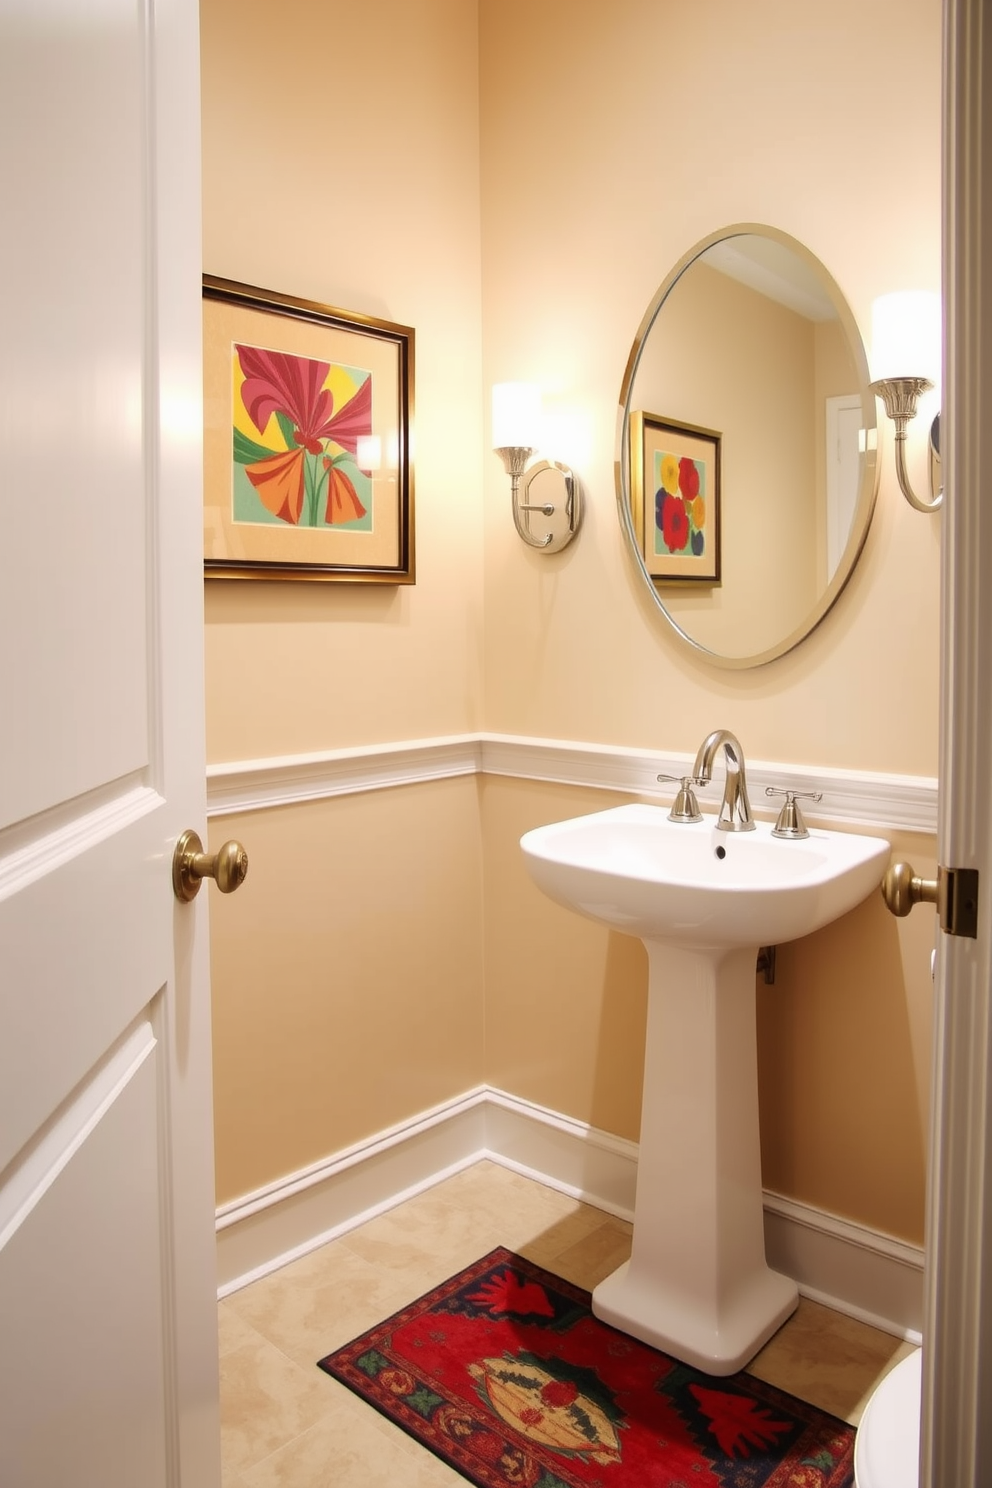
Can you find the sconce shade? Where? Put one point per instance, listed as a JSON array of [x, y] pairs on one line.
[[906, 356], [516, 415], [906, 336], [546, 494]]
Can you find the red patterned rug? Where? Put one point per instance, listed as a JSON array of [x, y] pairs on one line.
[[505, 1374]]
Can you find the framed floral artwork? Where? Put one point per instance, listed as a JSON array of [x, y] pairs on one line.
[[307, 440], [675, 499]]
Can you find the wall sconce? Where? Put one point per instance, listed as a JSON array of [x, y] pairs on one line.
[[547, 487], [905, 362]]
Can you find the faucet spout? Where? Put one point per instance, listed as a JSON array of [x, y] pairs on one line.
[[735, 808]]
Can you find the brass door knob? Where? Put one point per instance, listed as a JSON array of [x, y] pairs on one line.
[[191, 865], [901, 888]]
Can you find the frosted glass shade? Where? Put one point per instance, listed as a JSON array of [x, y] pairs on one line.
[[906, 336], [516, 415]]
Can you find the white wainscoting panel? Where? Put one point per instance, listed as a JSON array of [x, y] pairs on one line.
[[856, 1270], [868, 1275]]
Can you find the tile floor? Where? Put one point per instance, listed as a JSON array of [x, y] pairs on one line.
[[286, 1424]]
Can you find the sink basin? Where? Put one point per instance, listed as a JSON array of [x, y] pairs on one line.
[[689, 884], [697, 1284]]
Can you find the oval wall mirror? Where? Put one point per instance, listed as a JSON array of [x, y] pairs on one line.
[[747, 468]]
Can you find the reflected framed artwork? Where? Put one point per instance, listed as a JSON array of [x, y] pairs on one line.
[[675, 499], [307, 468]]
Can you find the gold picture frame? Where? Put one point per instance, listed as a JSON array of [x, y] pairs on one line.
[[307, 451], [676, 499]]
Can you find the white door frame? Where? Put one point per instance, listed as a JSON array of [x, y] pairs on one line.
[[956, 1436], [841, 493]]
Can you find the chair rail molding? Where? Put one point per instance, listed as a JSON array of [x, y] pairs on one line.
[[854, 798]]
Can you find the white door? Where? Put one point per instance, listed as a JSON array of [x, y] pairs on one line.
[[957, 1340], [844, 432], [108, 1363]]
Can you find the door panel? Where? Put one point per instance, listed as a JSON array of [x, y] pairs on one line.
[[74, 385], [84, 1298], [98, 884], [108, 1346]]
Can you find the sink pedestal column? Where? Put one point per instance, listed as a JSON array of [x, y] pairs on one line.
[[697, 1285]]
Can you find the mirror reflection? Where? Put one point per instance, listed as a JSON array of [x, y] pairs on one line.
[[747, 467]]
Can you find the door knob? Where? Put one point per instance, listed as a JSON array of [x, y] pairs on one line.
[[901, 888], [191, 865], [954, 891]]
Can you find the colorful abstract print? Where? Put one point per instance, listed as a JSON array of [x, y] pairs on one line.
[[297, 427], [679, 505]]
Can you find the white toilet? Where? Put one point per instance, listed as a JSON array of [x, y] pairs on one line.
[[887, 1444]]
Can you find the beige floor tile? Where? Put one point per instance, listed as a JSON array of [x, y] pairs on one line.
[[830, 1360], [352, 1447], [564, 1235], [265, 1401], [287, 1425], [491, 1187], [425, 1240], [591, 1259], [515, 1211], [320, 1302], [233, 1331]]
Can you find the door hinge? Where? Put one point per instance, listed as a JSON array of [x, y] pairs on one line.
[[957, 901]]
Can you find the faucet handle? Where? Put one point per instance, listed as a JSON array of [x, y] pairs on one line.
[[685, 807], [790, 823]]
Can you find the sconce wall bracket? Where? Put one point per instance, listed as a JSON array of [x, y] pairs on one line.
[[557, 496], [901, 398]]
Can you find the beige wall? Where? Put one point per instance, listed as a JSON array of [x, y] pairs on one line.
[[622, 134], [341, 164], [844, 1042], [346, 975], [516, 193]]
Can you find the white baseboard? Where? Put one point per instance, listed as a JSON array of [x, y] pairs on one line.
[[266, 1229], [868, 1275], [568, 1155], [856, 1270]]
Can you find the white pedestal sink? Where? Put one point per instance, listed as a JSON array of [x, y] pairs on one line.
[[703, 901]]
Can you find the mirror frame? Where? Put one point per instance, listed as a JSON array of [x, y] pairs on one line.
[[867, 493]]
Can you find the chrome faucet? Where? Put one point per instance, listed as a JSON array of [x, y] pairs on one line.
[[735, 808]]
